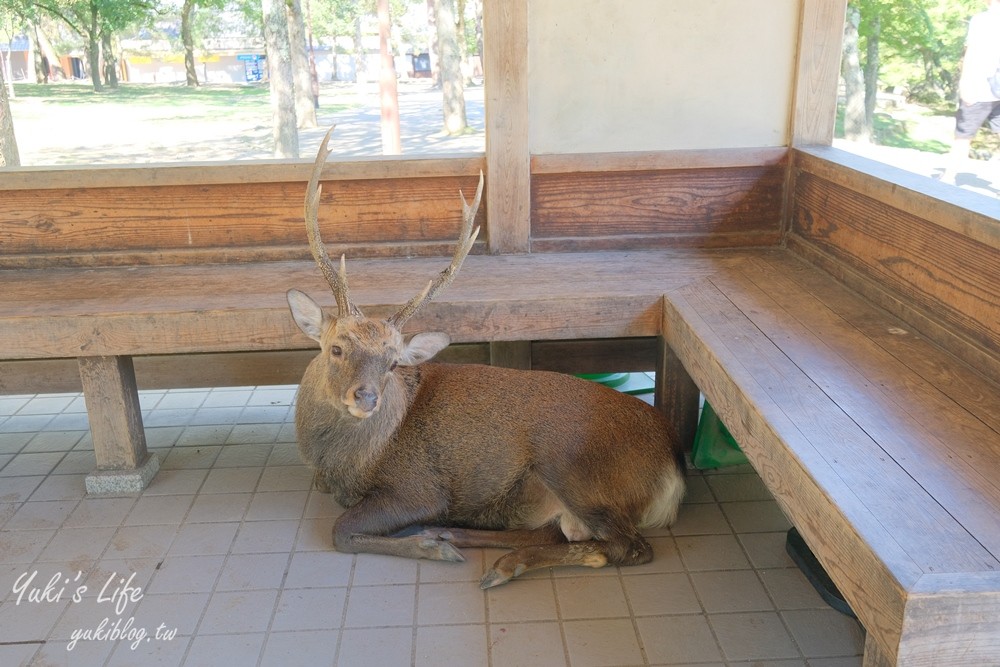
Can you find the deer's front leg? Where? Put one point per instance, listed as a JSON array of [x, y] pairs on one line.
[[367, 526]]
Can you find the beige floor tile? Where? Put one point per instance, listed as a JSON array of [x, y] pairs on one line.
[[176, 482], [266, 537], [41, 515], [451, 646], [77, 544], [591, 597], [766, 550], [374, 569], [753, 636], [57, 487], [760, 516], [29, 622], [141, 541], [277, 505], [729, 488], [286, 478], [790, 589], [232, 480], [527, 644], [660, 594], [153, 510], [436, 571], [711, 552], [309, 569], [825, 633], [380, 606], [189, 458], [678, 639], [731, 591], [162, 652], [855, 661], [238, 612], [93, 512], [447, 604], [604, 642], [246, 572], [219, 507], [19, 489], [187, 574], [523, 601], [196, 539], [175, 611], [315, 535], [310, 609], [321, 506], [700, 519], [308, 648], [375, 647], [83, 653], [231, 649]]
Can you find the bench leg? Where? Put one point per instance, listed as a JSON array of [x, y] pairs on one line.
[[511, 354], [109, 389], [875, 656], [676, 395]]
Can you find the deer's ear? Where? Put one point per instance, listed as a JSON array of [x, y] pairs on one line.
[[424, 346], [306, 313]]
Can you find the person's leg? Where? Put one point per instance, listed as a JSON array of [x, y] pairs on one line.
[[968, 119]]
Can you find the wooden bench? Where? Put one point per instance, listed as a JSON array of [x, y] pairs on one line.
[[845, 328]]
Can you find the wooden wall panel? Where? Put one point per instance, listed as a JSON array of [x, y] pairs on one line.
[[946, 275], [227, 221], [714, 207]]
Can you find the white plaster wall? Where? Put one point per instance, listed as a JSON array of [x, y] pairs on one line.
[[633, 75]]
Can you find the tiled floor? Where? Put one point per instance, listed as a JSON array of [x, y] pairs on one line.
[[226, 559]]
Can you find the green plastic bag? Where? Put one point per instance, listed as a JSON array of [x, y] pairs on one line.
[[714, 447]]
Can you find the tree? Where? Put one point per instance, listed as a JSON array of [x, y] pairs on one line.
[[388, 92], [96, 21], [450, 66], [279, 68], [856, 126], [9, 156], [305, 103]]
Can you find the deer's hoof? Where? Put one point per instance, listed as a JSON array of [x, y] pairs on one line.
[[493, 578], [440, 550]]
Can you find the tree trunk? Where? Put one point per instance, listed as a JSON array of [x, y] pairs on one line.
[[872, 67], [305, 103], [388, 92], [9, 157], [452, 85], [94, 49], [110, 61], [41, 62], [855, 127], [279, 70], [187, 37], [360, 57]]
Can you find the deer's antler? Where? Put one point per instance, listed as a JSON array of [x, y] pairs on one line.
[[336, 278], [465, 242]]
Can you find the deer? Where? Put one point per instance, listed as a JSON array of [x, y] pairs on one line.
[[429, 458]]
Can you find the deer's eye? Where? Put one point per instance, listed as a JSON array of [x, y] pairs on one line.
[[336, 351], [393, 366]]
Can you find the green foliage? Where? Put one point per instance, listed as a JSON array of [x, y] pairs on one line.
[[920, 43]]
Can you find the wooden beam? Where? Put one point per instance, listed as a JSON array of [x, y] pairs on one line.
[[817, 67], [113, 407], [511, 354], [508, 165], [676, 395]]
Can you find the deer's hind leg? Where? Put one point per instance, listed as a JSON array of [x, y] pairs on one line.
[[626, 547]]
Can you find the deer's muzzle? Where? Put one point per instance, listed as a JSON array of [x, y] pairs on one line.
[[362, 403]]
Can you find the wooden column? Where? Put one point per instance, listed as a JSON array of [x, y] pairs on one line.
[[109, 389], [511, 354], [676, 395], [508, 164], [817, 68]]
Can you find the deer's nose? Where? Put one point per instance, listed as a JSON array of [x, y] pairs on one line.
[[365, 399]]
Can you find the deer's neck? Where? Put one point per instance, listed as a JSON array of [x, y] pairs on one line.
[[345, 448]]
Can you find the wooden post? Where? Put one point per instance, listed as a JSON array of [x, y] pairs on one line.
[[109, 389], [676, 395], [817, 69], [508, 162], [511, 354]]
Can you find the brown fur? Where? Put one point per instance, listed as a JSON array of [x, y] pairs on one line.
[[482, 448]]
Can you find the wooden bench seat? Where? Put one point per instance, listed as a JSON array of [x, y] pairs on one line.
[[881, 447]]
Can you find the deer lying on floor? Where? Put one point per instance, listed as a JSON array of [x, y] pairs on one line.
[[561, 470]]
